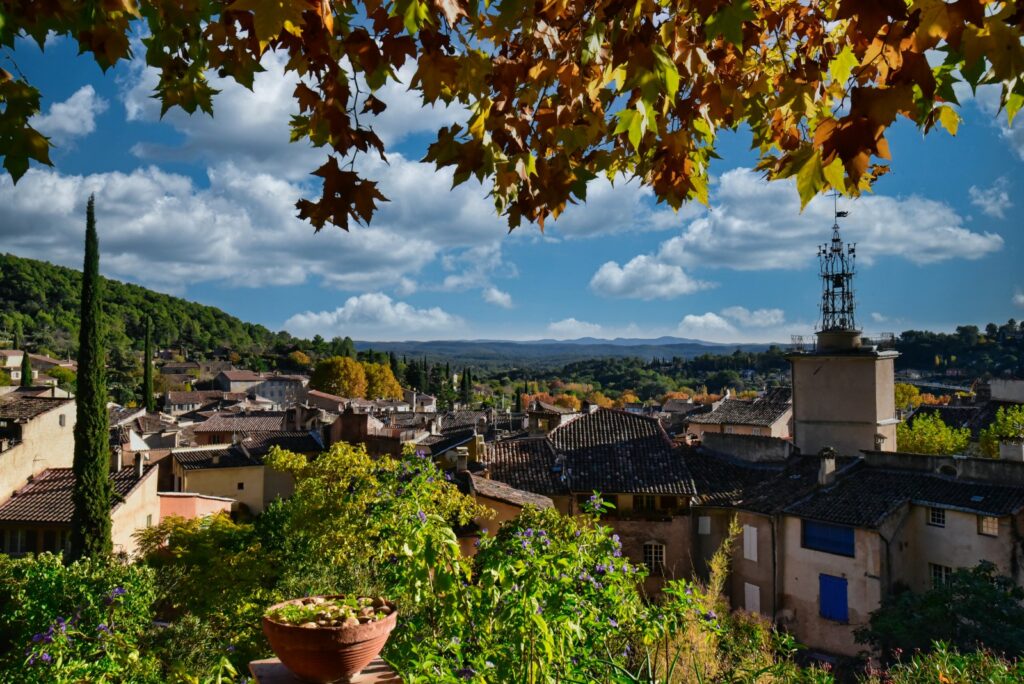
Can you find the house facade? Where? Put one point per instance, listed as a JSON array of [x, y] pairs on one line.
[[36, 433]]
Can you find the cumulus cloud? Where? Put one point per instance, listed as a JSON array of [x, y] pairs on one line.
[[1018, 298], [987, 99], [73, 118], [571, 328], [493, 295], [993, 201], [757, 225], [707, 326], [759, 318], [644, 277], [375, 316], [878, 318]]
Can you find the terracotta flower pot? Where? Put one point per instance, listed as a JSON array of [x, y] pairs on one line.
[[327, 654]]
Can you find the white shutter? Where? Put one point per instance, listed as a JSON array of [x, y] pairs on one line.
[[750, 543], [751, 597], [703, 524]]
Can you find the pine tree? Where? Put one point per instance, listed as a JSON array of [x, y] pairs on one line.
[[147, 370], [26, 369], [90, 521], [396, 370]]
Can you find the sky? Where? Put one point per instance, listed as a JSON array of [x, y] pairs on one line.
[[203, 208]]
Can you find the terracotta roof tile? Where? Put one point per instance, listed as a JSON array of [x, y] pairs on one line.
[[259, 421], [763, 411], [47, 499], [21, 408]]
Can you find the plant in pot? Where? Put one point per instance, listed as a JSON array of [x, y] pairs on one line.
[[329, 638]]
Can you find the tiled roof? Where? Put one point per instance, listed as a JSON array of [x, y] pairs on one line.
[[241, 376], [47, 499], [866, 496], [324, 395], [21, 408], [616, 452], [117, 415], [260, 421], [250, 452], [436, 445], [525, 464], [460, 420], [492, 489], [203, 396], [545, 407], [763, 411]]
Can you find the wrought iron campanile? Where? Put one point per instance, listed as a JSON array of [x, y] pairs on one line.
[[837, 268]]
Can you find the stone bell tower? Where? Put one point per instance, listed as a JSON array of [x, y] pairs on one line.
[[843, 388]]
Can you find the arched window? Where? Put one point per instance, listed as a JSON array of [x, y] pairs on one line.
[[654, 556]]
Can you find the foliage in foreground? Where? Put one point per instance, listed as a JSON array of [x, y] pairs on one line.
[[929, 434], [548, 598]]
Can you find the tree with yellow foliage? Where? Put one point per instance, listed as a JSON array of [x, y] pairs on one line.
[[381, 382], [339, 375]]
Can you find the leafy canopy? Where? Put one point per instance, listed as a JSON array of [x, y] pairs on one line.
[[929, 434], [559, 92], [1009, 424]]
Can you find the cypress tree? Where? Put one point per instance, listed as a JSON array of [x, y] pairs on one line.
[[90, 521], [147, 370], [26, 369]]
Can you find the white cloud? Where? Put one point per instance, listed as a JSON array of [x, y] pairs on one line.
[[878, 318], [644, 277], [757, 225], [759, 318], [1018, 298], [375, 316], [987, 99], [493, 295], [73, 118], [993, 201], [707, 326], [570, 328]]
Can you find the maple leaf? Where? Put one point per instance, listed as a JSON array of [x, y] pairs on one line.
[[270, 17], [728, 21], [451, 9]]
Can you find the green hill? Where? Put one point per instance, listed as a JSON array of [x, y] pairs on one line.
[[43, 300]]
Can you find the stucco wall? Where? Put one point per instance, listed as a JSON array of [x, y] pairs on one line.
[[800, 601], [276, 485], [45, 444], [1007, 390], [224, 482], [673, 532], [843, 401], [190, 505], [749, 447], [141, 508]]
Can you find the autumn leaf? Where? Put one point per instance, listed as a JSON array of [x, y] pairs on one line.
[[949, 119], [728, 21], [270, 17]]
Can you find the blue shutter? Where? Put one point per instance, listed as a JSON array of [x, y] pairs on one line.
[[835, 539], [832, 598]]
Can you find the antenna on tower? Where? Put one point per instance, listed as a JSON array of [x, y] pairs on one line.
[[837, 268]]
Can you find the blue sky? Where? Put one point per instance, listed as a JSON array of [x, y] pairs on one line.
[[204, 208]]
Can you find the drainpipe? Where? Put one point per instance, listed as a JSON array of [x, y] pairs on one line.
[[887, 572], [775, 569]]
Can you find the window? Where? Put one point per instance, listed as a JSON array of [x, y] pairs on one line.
[[750, 542], [939, 574], [149, 520], [62, 419], [643, 503], [729, 429], [832, 598], [704, 524], [988, 525], [937, 517], [654, 556], [751, 597], [828, 538], [241, 486], [669, 503]]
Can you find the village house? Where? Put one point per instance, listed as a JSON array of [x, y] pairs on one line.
[[37, 517], [630, 461], [236, 470], [225, 428], [237, 380], [419, 401], [770, 415], [36, 433], [181, 403], [10, 361]]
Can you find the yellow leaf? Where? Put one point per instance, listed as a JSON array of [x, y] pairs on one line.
[[835, 174], [810, 178], [270, 17], [949, 119], [842, 65]]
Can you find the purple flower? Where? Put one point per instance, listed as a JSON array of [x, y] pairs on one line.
[[613, 622], [448, 476], [455, 640], [539, 610], [617, 553], [36, 638], [526, 544], [483, 530], [46, 658], [466, 672], [102, 627], [231, 648], [422, 516], [529, 532]]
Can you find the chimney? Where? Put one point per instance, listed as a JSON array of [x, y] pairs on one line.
[[476, 448], [590, 407], [140, 465], [116, 459], [827, 468], [1011, 450], [461, 459]]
